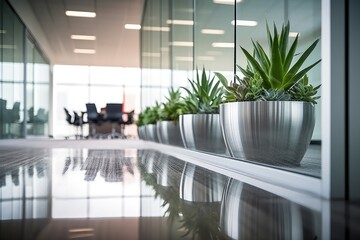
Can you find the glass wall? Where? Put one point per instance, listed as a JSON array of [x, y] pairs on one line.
[[24, 98], [74, 86], [178, 37]]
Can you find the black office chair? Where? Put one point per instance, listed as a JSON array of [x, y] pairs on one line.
[[74, 122], [93, 119], [130, 120], [114, 115]]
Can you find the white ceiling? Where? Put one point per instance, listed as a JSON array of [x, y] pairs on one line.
[[114, 45]]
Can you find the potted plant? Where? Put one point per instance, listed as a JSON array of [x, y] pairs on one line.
[[141, 127], [168, 128], [200, 126], [150, 116], [268, 115]]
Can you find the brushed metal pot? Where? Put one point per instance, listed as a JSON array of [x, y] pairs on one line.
[[141, 132], [201, 185], [248, 212], [202, 132], [169, 133], [151, 132], [273, 132]]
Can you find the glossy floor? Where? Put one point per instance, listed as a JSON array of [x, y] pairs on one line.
[[105, 192]]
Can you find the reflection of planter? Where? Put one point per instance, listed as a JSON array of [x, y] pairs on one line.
[[169, 171], [201, 185], [151, 133], [248, 212], [169, 133], [274, 132], [202, 132]]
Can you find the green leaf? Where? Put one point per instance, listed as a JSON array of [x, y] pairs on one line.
[[257, 67], [284, 38], [299, 63], [299, 75], [276, 72], [290, 55]]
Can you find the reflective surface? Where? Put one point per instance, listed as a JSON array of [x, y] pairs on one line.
[[273, 132], [134, 193], [202, 132], [168, 132]]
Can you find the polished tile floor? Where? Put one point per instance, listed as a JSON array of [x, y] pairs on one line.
[[116, 190]]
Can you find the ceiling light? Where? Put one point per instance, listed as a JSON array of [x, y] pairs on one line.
[[246, 23], [8, 46], [212, 31], [2, 31], [80, 14], [228, 2], [84, 51], [206, 58], [133, 26], [182, 44], [83, 37], [223, 45], [180, 22], [150, 54], [184, 59], [156, 29], [293, 34]]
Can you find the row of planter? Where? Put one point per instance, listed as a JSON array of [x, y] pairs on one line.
[[266, 115], [268, 132]]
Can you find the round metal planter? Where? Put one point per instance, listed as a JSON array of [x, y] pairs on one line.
[[201, 185], [169, 133], [141, 132], [248, 212], [202, 132], [151, 132], [274, 132]]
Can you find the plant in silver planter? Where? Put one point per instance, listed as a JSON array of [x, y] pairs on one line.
[[268, 115], [149, 117], [168, 128], [200, 127], [141, 127]]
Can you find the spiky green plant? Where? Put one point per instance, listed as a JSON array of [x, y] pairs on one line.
[[151, 114], [278, 71], [205, 95], [174, 106]]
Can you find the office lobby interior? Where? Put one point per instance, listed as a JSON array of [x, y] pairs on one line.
[[100, 137]]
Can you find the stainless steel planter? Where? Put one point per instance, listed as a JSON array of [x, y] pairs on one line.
[[151, 132], [201, 185], [169, 133], [141, 132], [276, 132], [202, 132]]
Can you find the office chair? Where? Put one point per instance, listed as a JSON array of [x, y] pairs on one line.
[[93, 119], [130, 120], [74, 122], [114, 115]]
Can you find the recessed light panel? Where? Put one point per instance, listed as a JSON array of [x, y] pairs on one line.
[[212, 31], [180, 22], [156, 29], [84, 51], [83, 37], [80, 14], [227, 2], [182, 44], [133, 26], [246, 23], [223, 45]]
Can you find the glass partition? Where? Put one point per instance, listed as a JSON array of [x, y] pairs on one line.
[[209, 34], [24, 94]]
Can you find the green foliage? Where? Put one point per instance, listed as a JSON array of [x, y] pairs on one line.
[[151, 114], [303, 91], [205, 95], [274, 76], [174, 106], [140, 121]]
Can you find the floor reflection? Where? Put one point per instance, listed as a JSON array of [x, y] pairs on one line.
[[145, 194]]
